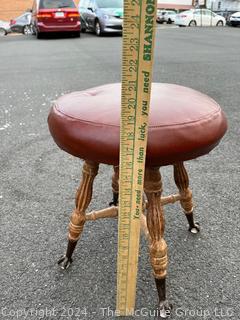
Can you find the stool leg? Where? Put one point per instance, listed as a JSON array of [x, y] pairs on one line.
[[115, 186], [158, 246], [77, 220], [182, 182]]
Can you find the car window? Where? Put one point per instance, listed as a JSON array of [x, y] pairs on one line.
[[84, 4], [22, 18], [110, 3], [207, 13], [52, 4], [91, 4]]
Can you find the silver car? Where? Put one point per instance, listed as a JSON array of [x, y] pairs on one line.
[[235, 19], [101, 16], [4, 28]]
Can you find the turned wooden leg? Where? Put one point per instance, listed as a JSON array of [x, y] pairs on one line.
[[182, 182], [158, 246], [115, 186], [78, 217]]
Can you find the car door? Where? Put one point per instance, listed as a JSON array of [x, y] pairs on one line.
[[83, 10], [214, 19], [206, 17], [197, 17], [20, 23], [90, 14]]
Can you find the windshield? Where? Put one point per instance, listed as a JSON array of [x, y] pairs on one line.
[[110, 3], [53, 4]]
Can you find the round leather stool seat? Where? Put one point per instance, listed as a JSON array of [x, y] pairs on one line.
[[184, 124]]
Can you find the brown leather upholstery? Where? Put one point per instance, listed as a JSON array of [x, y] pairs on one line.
[[184, 124]]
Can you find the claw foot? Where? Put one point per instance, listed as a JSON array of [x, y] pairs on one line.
[[164, 310], [65, 262], [195, 228]]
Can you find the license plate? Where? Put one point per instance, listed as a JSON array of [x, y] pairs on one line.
[[59, 14]]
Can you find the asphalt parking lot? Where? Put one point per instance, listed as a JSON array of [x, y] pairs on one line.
[[38, 183]]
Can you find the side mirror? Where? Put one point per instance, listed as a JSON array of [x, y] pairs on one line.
[[91, 9]]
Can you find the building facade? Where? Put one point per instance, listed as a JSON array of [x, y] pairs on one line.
[[224, 5], [175, 4], [215, 5]]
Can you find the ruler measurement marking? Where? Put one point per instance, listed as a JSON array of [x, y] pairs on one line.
[[133, 139], [136, 101]]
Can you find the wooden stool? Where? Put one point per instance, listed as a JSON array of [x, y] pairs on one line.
[[184, 124]]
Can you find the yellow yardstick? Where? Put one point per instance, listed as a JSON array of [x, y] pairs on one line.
[[138, 45]]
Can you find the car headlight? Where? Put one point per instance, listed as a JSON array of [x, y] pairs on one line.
[[106, 16]]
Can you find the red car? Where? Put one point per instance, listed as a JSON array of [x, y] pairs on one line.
[[55, 16]]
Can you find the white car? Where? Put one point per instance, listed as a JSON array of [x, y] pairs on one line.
[[235, 19], [4, 28], [169, 16], [199, 17]]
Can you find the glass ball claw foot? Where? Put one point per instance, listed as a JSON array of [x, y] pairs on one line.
[[164, 310], [194, 227], [64, 262]]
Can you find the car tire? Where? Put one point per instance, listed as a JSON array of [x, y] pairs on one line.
[[219, 23], [27, 30], [192, 23], [3, 32], [77, 34], [38, 35], [33, 29], [98, 29], [169, 21]]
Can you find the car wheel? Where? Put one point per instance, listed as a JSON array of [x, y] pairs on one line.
[[98, 29], [3, 32], [169, 21], [192, 23], [219, 23], [77, 34], [38, 35], [27, 30]]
